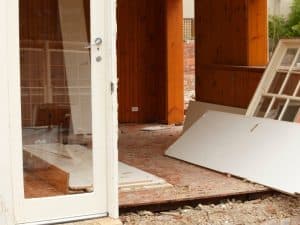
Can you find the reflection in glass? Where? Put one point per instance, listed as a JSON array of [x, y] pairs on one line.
[[292, 112], [277, 83], [276, 109], [56, 97], [288, 58], [291, 84], [296, 66], [262, 106]]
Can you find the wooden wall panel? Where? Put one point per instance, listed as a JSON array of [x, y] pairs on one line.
[[44, 83], [227, 85], [145, 53], [229, 34], [141, 60], [221, 32], [39, 20]]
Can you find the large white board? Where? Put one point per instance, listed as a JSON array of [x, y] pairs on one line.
[[197, 109], [261, 150]]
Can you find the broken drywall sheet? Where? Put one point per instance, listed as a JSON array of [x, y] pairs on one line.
[[197, 109], [154, 128], [77, 161], [257, 149], [131, 178]]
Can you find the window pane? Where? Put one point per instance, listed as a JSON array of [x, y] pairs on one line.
[[56, 97]]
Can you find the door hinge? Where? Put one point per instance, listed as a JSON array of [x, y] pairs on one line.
[[112, 87]]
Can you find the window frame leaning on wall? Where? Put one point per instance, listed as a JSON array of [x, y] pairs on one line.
[[273, 88]]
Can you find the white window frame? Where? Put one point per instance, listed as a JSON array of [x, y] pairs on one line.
[[269, 75]]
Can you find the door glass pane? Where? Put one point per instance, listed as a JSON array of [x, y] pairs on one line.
[[56, 97]]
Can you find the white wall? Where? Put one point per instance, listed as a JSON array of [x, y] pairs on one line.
[[279, 7], [6, 200], [276, 7], [188, 8]]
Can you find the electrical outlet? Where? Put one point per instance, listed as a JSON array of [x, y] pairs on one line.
[[134, 109]]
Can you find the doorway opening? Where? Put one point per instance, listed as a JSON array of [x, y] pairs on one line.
[[150, 51]]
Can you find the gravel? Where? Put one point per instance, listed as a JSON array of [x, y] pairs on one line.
[[260, 211]]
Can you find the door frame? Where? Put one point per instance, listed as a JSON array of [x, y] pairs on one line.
[[11, 51]]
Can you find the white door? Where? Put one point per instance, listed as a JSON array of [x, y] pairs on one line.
[[58, 118]]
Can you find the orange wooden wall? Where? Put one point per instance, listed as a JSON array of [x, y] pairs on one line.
[[150, 60], [175, 65], [231, 49]]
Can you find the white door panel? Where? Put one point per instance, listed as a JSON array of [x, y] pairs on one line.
[[58, 119]]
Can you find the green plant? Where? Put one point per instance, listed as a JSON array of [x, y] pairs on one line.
[[281, 27], [277, 29], [293, 20]]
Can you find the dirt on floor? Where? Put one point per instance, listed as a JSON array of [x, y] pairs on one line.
[[269, 210], [145, 150]]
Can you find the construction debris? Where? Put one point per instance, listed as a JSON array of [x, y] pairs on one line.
[[256, 149], [132, 178], [197, 109], [156, 127], [270, 210]]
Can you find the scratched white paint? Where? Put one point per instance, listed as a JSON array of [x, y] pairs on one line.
[[3, 212]]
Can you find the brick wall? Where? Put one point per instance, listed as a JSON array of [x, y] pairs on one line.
[[189, 72]]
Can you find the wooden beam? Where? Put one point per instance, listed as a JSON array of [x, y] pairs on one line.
[[175, 70], [257, 32]]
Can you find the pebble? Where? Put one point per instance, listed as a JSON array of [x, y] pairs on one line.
[[145, 213]]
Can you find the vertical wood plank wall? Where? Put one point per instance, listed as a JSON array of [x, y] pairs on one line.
[[231, 49], [40, 32], [150, 61]]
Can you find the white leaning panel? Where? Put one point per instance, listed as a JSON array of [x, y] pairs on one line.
[[261, 150], [197, 109]]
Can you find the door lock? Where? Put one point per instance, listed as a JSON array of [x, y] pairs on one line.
[[98, 41], [98, 58]]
